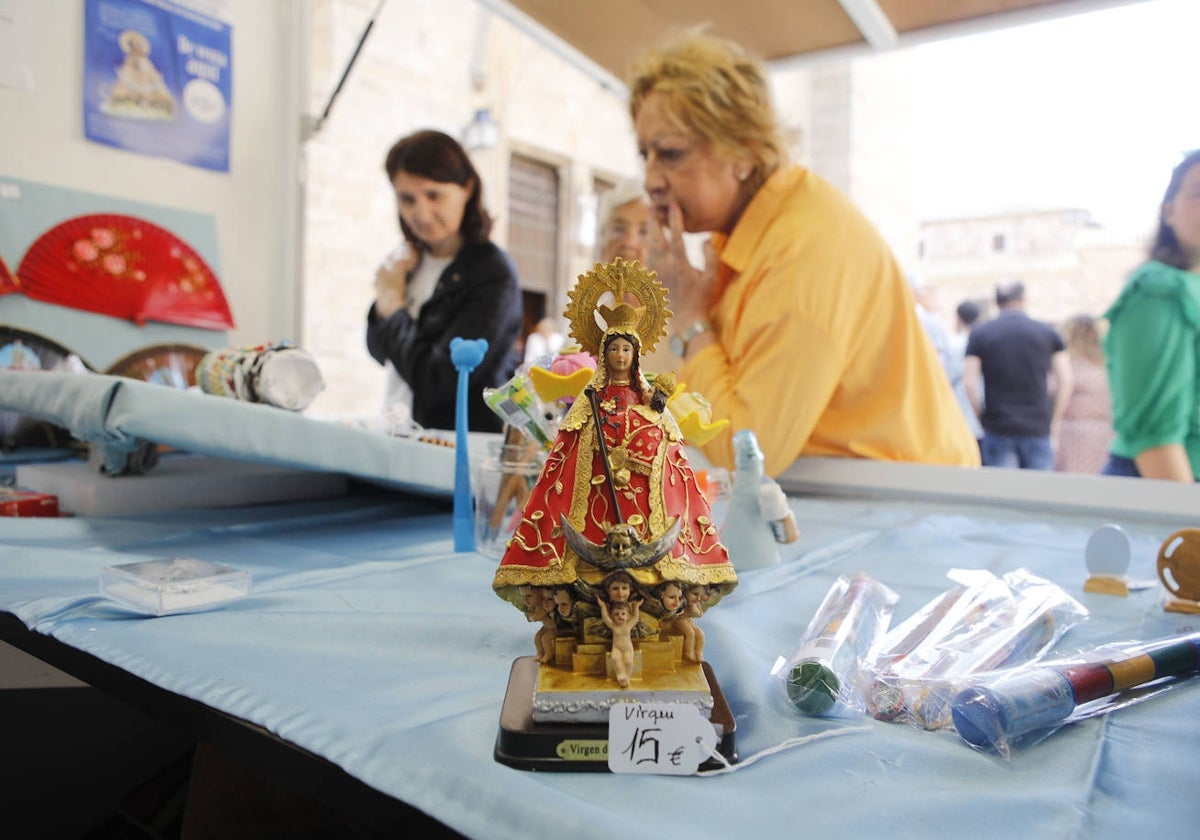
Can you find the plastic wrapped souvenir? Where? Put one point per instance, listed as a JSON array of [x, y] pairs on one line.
[[278, 374]]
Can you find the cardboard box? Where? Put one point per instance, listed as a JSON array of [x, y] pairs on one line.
[[27, 503]]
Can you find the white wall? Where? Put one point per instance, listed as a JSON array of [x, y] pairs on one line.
[[254, 204]]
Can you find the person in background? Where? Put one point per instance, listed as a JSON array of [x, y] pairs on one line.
[[1153, 345], [624, 223], [1013, 356], [625, 233], [801, 325], [450, 280], [966, 314], [926, 298], [1086, 428], [546, 339]]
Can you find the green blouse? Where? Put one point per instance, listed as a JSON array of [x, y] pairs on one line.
[[1153, 349]]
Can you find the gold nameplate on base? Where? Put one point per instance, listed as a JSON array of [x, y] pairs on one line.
[[527, 744]]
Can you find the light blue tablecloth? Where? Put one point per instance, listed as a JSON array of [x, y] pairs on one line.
[[366, 639], [115, 412]]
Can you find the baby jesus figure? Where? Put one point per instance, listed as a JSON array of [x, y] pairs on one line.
[[621, 617]]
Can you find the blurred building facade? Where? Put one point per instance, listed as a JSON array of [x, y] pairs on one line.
[[1069, 263], [563, 134]]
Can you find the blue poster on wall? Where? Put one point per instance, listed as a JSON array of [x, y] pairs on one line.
[[157, 80]]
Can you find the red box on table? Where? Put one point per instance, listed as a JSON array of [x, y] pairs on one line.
[[27, 503]]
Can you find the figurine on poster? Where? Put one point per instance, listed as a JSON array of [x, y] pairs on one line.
[[617, 496], [139, 91]]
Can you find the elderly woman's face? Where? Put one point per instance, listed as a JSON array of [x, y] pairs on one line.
[[683, 169], [626, 231]]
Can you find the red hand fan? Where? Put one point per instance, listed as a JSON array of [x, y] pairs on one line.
[[8, 283], [162, 364], [125, 267], [22, 350]]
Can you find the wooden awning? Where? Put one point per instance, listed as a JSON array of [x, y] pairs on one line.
[[611, 33]]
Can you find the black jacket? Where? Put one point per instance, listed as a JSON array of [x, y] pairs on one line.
[[477, 296]]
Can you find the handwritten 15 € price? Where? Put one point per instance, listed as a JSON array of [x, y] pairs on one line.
[[671, 739]]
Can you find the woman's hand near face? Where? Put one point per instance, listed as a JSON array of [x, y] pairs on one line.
[[391, 282], [691, 290]]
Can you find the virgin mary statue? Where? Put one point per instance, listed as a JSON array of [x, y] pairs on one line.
[[617, 491]]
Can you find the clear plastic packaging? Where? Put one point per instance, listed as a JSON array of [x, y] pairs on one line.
[[983, 624], [173, 585], [518, 405], [998, 712], [279, 374], [823, 674]]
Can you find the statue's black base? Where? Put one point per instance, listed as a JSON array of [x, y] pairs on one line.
[[575, 747]]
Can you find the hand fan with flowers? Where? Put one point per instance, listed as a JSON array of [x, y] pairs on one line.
[[126, 267]]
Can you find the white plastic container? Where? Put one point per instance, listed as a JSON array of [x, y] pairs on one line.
[[173, 585]]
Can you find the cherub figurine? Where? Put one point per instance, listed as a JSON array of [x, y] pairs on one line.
[[569, 613], [666, 605], [621, 618], [617, 465], [539, 606], [684, 607]]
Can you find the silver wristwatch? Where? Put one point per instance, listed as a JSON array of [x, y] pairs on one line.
[[679, 341]]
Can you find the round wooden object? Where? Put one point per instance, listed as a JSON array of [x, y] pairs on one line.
[[1179, 564]]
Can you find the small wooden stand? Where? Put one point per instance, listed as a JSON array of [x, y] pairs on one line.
[[1107, 585], [1179, 570], [572, 747]]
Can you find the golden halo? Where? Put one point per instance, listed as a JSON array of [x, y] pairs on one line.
[[622, 279]]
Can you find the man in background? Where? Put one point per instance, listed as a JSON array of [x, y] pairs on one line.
[[1012, 357], [965, 316]]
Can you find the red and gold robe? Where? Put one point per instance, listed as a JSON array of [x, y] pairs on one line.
[[655, 483]]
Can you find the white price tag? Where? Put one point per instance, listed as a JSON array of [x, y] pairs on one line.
[[671, 739]]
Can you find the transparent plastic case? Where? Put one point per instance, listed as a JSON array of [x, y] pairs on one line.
[[173, 585]]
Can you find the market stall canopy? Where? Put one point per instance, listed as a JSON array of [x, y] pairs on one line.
[[614, 32]]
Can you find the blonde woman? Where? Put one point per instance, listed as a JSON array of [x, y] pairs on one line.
[[802, 325]]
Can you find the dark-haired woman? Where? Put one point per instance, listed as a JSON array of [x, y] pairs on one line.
[[1153, 345], [450, 280]]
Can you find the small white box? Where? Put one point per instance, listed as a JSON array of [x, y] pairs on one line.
[[173, 585]]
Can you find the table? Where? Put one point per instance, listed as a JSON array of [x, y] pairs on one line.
[[372, 655]]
